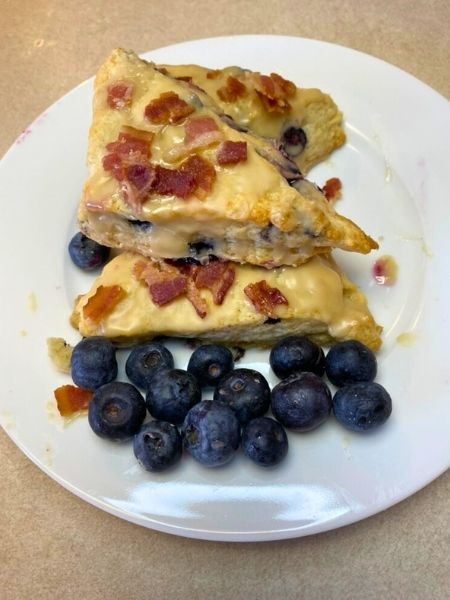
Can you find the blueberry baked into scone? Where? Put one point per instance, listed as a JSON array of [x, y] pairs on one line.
[[171, 177], [137, 298], [305, 123]]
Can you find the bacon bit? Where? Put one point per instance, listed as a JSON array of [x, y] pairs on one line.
[[384, 270], [217, 277], [174, 182], [202, 172], [167, 108], [273, 91], [164, 282], [200, 133], [119, 95], [103, 302], [231, 153], [195, 299], [162, 70], [233, 90], [71, 399], [185, 78], [288, 87], [196, 127], [128, 144], [213, 74], [264, 298], [332, 189]]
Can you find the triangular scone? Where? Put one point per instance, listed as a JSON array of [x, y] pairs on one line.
[[170, 179], [136, 298], [305, 122]]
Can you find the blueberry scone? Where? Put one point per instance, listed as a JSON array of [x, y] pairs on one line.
[[170, 178], [306, 123], [137, 298]]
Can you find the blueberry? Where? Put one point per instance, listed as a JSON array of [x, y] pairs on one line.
[[294, 141], [209, 363], [246, 392], [362, 406], [172, 392], [157, 446], [296, 354], [87, 254], [211, 433], [301, 402], [116, 411], [264, 441], [143, 362], [350, 362], [93, 362]]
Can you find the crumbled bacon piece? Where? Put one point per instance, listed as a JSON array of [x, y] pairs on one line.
[[200, 133], [217, 277], [173, 182], [213, 74], [71, 399], [103, 302], [119, 95], [167, 108], [332, 189], [233, 90], [194, 297], [202, 172], [273, 91], [264, 298], [164, 282], [196, 127], [231, 153], [184, 78]]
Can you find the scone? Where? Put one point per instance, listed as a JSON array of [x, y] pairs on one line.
[[169, 178], [136, 299], [306, 123]]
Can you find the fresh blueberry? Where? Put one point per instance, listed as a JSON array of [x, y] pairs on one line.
[[350, 362], [296, 354], [362, 406], [116, 411], [211, 433], [93, 362], [87, 254], [246, 392], [172, 392], [145, 360], [294, 141], [301, 402], [157, 446], [264, 441], [209, 363]]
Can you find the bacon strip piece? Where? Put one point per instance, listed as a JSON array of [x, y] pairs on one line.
[[231, 153], [103, 302], [264, 298], [164, 282], [202, 172], [167, 108], [215, 276], [119, 95], [274, 91], [200, 133], [71, 399], [332, 189], [233, 90]]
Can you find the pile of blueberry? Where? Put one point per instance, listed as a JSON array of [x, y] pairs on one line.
[[212, 430]]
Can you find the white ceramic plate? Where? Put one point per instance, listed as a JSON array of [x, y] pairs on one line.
[[394, 169]]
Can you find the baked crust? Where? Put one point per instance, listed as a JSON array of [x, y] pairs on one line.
[[251, 214], [322, 304], [309, 108]]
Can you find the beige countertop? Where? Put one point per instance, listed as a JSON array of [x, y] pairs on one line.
[[52, 544]]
